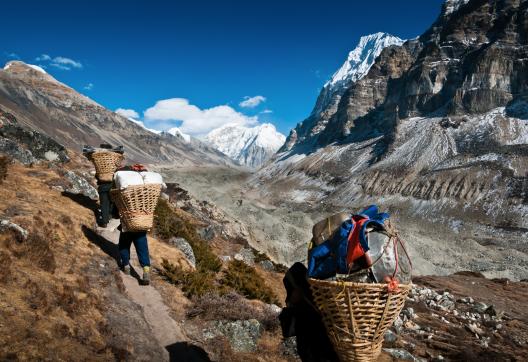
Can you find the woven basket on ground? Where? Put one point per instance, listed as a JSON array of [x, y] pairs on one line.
[[106, 163], [356, 315], [136, 205]]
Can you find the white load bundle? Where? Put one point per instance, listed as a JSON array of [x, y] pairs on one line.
[[151, 178], [123, 179]]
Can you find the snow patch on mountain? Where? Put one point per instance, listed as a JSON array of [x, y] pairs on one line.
[[32, 66], [140, 123], [248, 146], [175, 131], [450, 6], [362, 57]]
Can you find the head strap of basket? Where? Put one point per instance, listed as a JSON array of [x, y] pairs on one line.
[[106, 163]]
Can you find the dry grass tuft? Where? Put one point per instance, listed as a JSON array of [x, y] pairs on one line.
[[231, 306], [4, 165], [221, 350]]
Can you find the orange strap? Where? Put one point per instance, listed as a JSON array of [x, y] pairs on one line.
[[355, 251]]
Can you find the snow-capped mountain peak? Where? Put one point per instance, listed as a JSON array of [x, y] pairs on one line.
[[175, 131], [450, 6], [20, 64], [362, 57], [249, 146]]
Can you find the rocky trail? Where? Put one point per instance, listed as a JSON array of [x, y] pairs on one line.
[[165, 329]]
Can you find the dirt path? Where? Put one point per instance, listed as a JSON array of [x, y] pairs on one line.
[[165, 329]]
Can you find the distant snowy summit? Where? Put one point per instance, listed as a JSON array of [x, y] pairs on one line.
[[355, 67], [176, 132], [250, 147], [361, 58]]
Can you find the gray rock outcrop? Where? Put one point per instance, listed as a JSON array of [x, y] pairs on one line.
[[79, 185], [243, 335], [26, 145], [186, 248]]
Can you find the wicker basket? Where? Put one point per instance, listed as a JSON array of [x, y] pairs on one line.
[[356, 315], [136, 205], [106, 163]]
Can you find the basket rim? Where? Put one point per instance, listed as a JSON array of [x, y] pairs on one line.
[[356, 284], [102, 152], [134, 187]]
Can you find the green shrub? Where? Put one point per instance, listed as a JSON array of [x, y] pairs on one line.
[[169, 225], [193, 284], [245, 280]]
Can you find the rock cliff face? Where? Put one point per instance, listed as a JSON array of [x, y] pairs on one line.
[[25, 145], [41, 103], [437, 132], [354, 68]]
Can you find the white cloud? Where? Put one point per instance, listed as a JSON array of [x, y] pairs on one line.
[[195, 121], [12, 55], [128, 113], [66, 62], [59, 62], [266, 111], [252, 102], [89, 86], [43, 58]]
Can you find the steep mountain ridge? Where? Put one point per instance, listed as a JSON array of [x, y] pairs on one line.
[[40, 102], [436, 132], [355, 67], [250, 147]]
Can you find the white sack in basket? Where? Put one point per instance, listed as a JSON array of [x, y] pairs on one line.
[[151, 178], [123, 179]]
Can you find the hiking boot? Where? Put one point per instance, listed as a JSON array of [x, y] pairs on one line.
[[126, 269], [146, 275]]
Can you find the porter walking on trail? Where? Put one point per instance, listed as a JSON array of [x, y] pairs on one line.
[[136, 194], [106, 160]]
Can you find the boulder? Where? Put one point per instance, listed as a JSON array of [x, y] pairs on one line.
[[390, 336], [243, 335], [267, 265], [79, 185], [480, 307], [5, 224], [401, 354], [185, 248], [246, 255], [288, 346], [208, 232]]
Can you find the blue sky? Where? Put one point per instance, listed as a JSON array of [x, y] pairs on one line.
[[208, 56]]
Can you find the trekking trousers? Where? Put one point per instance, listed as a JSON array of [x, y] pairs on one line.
[[104, 199], [140, 243]]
